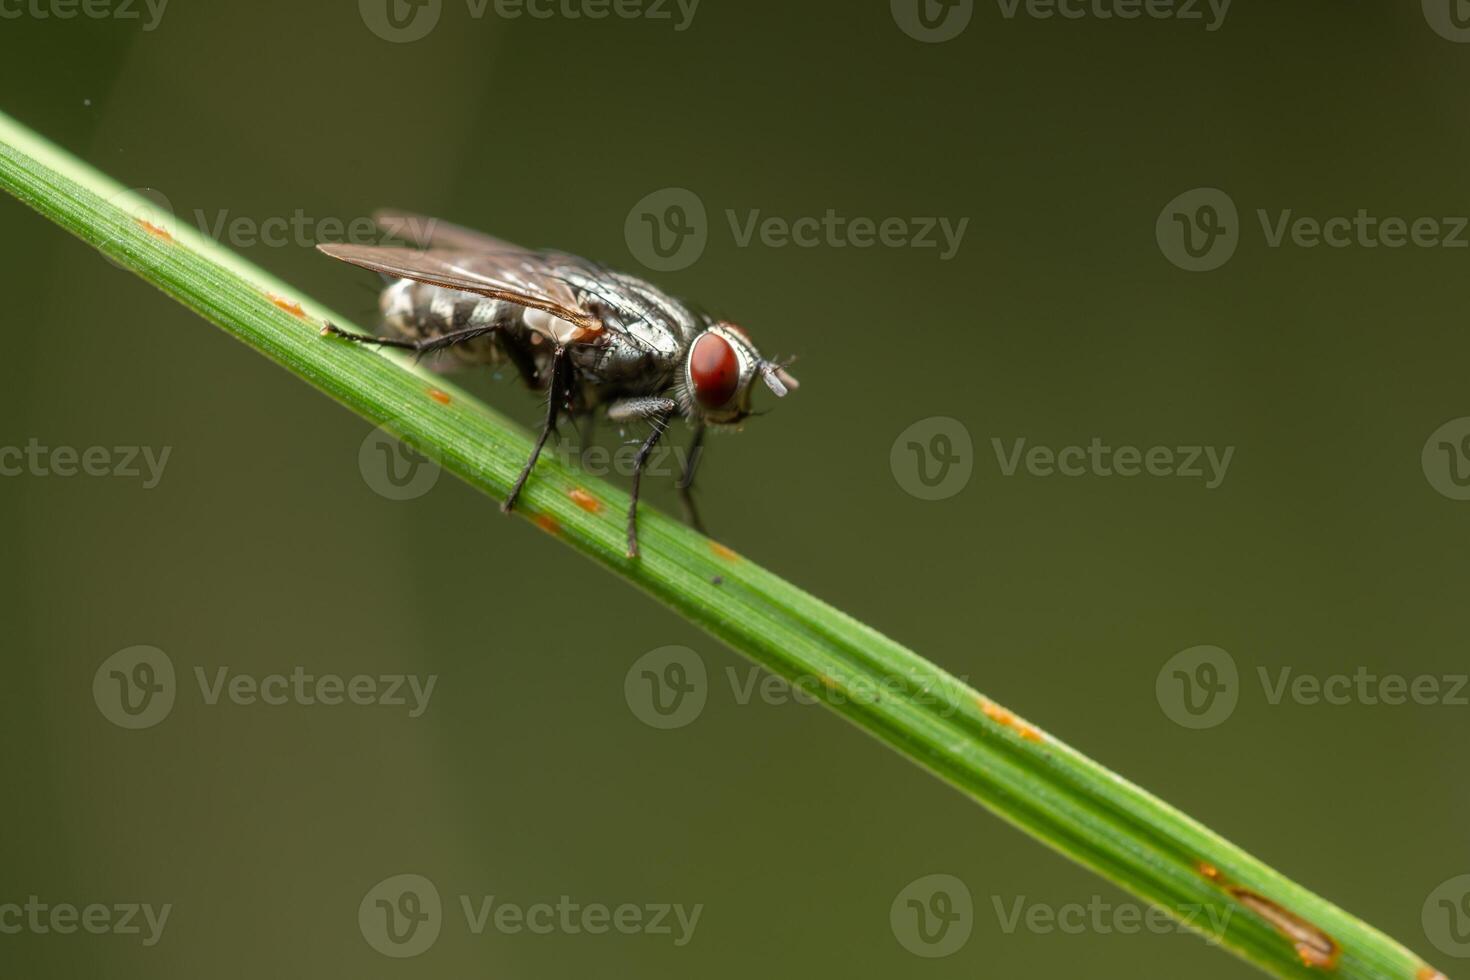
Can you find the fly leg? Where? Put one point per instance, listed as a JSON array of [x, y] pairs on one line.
[[657, 412], [553, 405], [685, 485], [421, 346]]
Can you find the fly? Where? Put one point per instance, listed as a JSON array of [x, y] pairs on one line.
[[595, 340]]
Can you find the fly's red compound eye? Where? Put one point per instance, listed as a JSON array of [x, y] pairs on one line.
[[714, 369]]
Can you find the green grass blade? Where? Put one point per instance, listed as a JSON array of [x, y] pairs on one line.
[[1037, 783]]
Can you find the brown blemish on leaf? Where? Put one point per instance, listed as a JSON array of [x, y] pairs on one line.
[[154, 230], [281, 303], [439, 396], [547, 523], [1427, 972], [585, 500], [722, 551], [1315, 947], [1007, 718]]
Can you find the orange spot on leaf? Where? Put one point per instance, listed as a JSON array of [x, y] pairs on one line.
[[1003, 716], [722, 551], [281, 303], [439, 396], [1427, 972], [585, 500], [547, 523], [154, 230], [1209, 870]]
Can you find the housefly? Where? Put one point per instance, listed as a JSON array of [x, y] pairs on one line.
[[595, 340]]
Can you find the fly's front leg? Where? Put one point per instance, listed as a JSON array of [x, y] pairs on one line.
[[553, 405], [686, 480], [657, 412]]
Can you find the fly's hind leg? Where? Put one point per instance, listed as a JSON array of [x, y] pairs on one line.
[[553, 406], [420, 346], [657, 412]]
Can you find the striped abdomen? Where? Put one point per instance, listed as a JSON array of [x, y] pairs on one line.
[[419, 311]]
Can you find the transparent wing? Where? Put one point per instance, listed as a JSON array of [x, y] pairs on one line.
[[528, 279], [426, 232]]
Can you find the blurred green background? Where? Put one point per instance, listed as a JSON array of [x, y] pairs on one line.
[[263, 548]]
